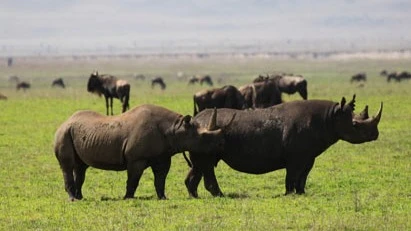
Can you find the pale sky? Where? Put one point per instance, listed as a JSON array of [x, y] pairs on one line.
[[75, 23]]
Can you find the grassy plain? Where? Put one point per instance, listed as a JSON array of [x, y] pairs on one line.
[[351, 187]]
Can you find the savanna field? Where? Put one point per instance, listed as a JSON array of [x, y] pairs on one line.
[[351, 187]]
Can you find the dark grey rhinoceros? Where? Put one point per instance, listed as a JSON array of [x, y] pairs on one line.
[[290, 135], [146, 136]]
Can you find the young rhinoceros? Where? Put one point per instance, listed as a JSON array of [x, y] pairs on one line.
[[146, 136], [290, 135]]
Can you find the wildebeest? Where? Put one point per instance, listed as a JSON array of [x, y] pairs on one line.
[[158, 81], [289, 84], [224, 97], [146, 136], [261, 95], [193, 80], [206, 79], [3, 97], [290, 135], [359, 77], [23, 85], [110, 87], [58, 83], [397, 76]]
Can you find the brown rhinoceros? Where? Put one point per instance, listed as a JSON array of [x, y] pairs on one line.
[[146, 136], [290, 135]]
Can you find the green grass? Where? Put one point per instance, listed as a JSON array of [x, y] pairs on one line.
[[351, 187]]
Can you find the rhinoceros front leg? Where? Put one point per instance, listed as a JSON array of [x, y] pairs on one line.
[[296, 176], [134, 171], [210, 182], [302, 178], [202, 165], [160, 170]]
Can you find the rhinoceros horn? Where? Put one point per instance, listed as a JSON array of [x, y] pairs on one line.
[[364, 114], [212, 125]]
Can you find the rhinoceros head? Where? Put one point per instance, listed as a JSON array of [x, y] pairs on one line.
[[190, 136], [356, 128]]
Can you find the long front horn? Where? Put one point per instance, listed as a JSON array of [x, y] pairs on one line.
[[213, 121], [378, 117]]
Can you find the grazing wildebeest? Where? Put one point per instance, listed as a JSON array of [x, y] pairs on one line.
[[290, 135], [110, 87], [3, 97], [206, 79], [384, 73], [224, 97], [58, 83], [398, 76], [358, 77], [193, 80], [158, 81], [261, 95], [289, 84], [146, 136], [394, 76], [23, 85]]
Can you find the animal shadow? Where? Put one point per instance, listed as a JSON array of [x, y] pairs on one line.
[[237, 195], [105, 198]]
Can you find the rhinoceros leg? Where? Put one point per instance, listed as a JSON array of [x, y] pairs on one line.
[[302, 179], [134, 171], [192, 181], [204, 164], [160, 169], [69, 184], [296, 176], [79, 177], [210, 182]]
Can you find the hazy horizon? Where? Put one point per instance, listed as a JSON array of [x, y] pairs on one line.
[[74, 25]]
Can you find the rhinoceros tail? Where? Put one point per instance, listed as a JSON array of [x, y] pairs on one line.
[[195, 106], [187, 160], [254, 96], [64, 147]]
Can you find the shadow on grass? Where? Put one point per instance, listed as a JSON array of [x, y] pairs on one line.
[[237, 195], [105, 198]]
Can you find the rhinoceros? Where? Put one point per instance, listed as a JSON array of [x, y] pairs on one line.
[[146, 136], [290, 135]]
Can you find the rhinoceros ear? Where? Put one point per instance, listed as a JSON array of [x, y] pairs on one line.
[[352, 103], [186, 119], [342, 104]]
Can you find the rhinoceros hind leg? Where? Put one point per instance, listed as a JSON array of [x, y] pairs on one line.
[[134, 171], [160, 170], [79, 177]]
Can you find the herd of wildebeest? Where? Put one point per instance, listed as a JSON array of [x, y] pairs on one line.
[[250, 128]]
